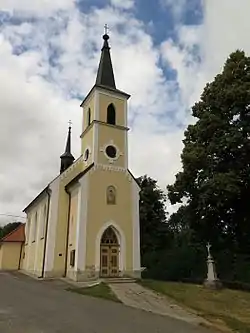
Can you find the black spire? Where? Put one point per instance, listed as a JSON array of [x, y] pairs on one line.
[[105, 75], [67, 158]]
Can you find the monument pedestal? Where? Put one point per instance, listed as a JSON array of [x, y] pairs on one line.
[[216, 284], [212, 281]]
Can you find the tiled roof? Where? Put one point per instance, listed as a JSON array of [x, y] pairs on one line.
[[16, 235]]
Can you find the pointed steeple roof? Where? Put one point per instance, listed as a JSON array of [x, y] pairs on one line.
[[67, 158], [105, 78], [105, 75]]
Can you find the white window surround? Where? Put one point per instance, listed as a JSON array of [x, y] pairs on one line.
[[118, 153]]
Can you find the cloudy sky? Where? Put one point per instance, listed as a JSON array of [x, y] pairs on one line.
[[163, 52]]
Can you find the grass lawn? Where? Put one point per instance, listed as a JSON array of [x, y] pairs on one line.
[[231, 307], [101, 290]]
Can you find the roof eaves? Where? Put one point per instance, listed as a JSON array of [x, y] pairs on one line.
[[45, 190]]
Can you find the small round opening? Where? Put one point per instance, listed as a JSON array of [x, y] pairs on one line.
[[86, 155], [111, 151]]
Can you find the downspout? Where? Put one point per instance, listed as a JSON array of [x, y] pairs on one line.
[[46, 231], [67, 237], [20, 257]]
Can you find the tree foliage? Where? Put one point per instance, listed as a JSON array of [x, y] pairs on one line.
[[215, 179], [5, 230], [152, 216]]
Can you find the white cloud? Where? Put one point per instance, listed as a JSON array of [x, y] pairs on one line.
[[176, 6], [37, 97], [35, 7], [45, 63], [224, 29], [182, 57], [124, 4]]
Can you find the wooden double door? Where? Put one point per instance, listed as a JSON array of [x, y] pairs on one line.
[[109, 254], [109, 260]]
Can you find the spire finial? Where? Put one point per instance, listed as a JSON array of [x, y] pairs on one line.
[[106, 36], [106, 29], [67, 158], [105, 74]]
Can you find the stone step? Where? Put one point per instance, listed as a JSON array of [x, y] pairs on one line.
[[118, 280]]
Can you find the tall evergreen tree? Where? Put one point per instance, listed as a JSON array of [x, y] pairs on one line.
[[215, 179]]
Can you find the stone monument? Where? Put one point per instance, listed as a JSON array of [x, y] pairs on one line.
[[212, 280]]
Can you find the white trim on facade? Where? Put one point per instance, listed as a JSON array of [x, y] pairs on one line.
[[37, 239], [52, 224], [118, 152], [126, 114], [108, 167], [136, 227], [86, 102], [95, 126], [113, 94], [122, 242], [97, 106], [126, 150], [81, 224], [126, 135]]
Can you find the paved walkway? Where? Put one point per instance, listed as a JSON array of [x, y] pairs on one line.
[[133, 294], [32, 306]]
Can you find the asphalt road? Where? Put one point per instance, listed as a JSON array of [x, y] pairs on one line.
[[31, 306]]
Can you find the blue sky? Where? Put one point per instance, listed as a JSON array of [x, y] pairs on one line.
[[163, 53]]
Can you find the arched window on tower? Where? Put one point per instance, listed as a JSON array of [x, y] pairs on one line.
[[89, 116], [111, 195], [111, 114]]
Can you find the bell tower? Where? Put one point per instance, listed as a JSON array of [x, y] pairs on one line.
[[107, 237], [104, 134]]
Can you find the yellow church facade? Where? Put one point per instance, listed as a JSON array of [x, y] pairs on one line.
[[85, 223]]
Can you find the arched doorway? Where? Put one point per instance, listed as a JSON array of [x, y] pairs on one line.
[[109, 250]]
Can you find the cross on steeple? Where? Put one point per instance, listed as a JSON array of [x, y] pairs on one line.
[[70, 123], [106, 29], [105, 75]]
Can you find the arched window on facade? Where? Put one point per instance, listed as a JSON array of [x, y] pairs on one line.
[[109, 237], [27, 230], [111, 116], [111, 195], [89, 116], [44, 220], [34, 228]]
